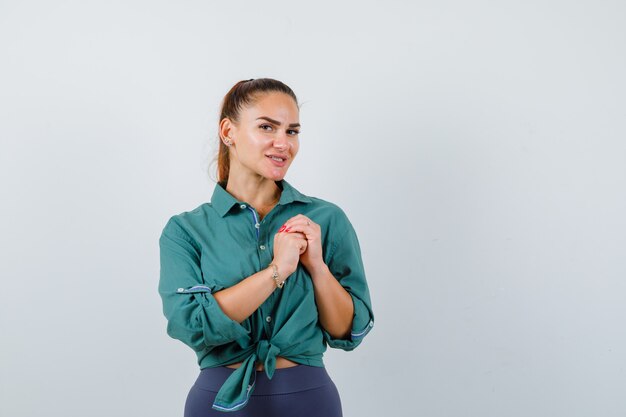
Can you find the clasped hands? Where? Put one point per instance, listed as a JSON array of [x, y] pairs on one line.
[[299, 239]]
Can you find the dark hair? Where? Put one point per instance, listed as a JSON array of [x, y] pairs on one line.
[[244, 93]]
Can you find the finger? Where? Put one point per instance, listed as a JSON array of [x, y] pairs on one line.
[[304, 221], [289, 222], [303, 228], [298, 219], [285, 227], [295, 228], [300, 243], [299, 235]]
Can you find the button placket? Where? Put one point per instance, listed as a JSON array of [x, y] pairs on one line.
[[256, 222]]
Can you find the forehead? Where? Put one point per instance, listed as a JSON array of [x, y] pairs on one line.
[[276, 105]]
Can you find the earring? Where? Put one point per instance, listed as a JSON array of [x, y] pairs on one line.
[[228, 142]]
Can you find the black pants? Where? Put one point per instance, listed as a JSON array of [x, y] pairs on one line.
[[298, 391]]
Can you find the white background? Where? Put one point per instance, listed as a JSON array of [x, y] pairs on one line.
[[477, 147]]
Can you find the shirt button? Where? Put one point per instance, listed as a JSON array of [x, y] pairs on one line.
[[268, 319], [257, 225], [243, 206], [371, 323], [262, 247], [180, 290]]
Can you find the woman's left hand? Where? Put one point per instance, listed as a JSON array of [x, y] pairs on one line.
[[312, 258]]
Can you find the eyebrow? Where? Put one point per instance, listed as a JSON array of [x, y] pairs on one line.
[[276, 122]]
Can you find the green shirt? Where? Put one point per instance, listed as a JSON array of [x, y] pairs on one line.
[[218, 244]]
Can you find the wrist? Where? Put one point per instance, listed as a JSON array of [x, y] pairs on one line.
[[319, 270], [283, 270], [277, 278]]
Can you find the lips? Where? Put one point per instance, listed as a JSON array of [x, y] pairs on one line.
[[283, 157], [275, 162]]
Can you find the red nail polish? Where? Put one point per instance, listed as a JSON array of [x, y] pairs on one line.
[[288, 229], [281, 229]]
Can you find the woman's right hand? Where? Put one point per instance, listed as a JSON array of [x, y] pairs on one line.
[[288, 246]]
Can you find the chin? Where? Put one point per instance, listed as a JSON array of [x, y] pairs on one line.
[[274, 173], [276, 177]]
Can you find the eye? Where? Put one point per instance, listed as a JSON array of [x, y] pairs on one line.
[[264, 127], [294, 132]]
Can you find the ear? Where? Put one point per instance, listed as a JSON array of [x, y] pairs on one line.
[[227, 129]]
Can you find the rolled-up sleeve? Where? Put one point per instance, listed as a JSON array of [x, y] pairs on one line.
[[346, 265], [193, 315]]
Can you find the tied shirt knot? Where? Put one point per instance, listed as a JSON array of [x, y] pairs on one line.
[[236, 390]]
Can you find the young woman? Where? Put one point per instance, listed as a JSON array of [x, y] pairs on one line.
[[261, 279]]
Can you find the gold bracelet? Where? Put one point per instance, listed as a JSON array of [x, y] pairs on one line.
[[275, 276]]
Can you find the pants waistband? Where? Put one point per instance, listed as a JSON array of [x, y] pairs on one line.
[[284, 381]]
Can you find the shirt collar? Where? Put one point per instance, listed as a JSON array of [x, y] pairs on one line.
[[223, 201]]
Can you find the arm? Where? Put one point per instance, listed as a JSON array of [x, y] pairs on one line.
[[341, 291], [200, 314], [346, 267], [334, 303], [192, 312], [243, 298]]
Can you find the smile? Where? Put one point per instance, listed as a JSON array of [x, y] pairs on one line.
[[277, 161]]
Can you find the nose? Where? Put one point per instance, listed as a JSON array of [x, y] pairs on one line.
[[281, 142]]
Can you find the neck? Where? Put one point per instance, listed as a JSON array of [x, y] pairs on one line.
[[258, 191]]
